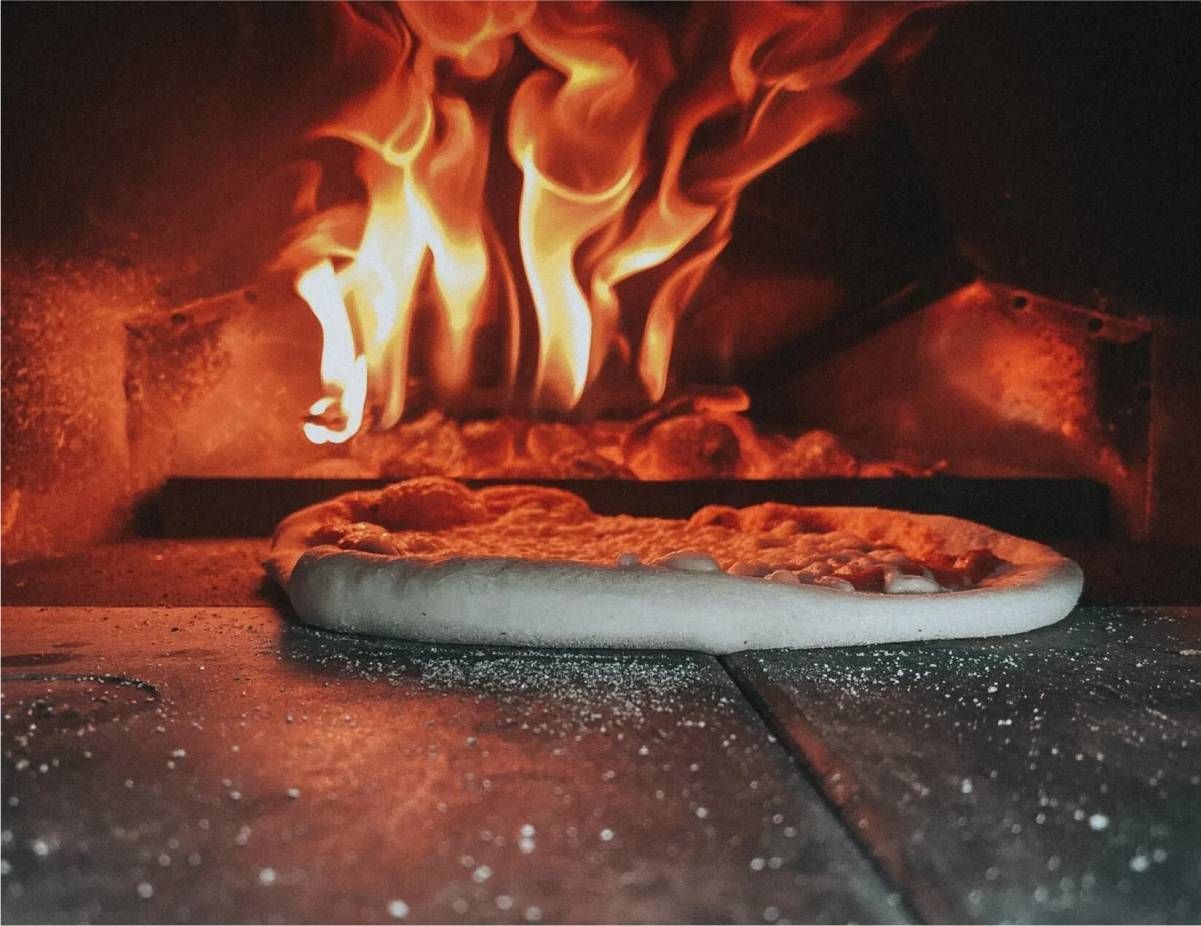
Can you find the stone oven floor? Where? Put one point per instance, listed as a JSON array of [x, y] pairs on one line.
[[177, 749]]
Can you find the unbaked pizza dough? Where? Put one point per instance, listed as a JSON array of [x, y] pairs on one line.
[[431, 560]]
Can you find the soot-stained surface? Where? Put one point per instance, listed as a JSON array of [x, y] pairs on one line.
[[216, 764], [1049, 777]]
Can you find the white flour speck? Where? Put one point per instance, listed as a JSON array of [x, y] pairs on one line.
[[145, 890], [398, 909], [1098, 822], [267, 876]]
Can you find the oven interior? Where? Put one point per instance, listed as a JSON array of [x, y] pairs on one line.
[[973, 293]]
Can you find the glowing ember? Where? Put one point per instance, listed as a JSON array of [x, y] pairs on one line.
[[631, 142], [697, 435]]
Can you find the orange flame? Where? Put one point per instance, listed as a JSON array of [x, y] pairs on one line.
[[616, 179]]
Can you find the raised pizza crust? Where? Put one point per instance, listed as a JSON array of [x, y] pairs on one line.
[[529, 566]]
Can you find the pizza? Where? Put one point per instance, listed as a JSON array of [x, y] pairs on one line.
[[430, 559]]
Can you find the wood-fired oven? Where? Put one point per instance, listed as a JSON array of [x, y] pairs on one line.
[[932, 257]]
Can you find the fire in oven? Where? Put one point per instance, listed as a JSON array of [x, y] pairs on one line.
[[600, 462]]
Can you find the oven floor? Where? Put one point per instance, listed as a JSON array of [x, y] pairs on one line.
[[176, 750]]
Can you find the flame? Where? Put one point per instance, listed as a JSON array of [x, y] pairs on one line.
[[632, 143], [343, 372]]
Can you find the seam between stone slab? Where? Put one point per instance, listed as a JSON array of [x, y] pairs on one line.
[[35, 613], [804, 750], [834, 781]]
